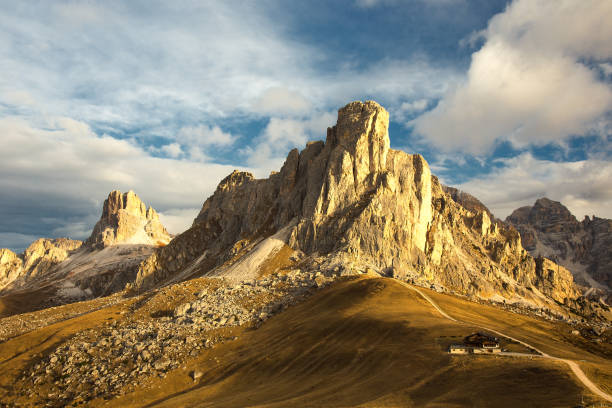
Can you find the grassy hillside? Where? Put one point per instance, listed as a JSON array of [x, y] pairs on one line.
[[364, 342], [369, 342]]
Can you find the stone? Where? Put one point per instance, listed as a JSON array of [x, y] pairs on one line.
[[196, 375], [182, 309]]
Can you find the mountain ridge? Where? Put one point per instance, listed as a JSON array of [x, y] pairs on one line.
[[358, 205], [549, 229]]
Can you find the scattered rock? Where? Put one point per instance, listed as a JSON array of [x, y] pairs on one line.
[[196, 375]]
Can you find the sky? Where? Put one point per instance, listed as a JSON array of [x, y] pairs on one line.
[[507, 100]]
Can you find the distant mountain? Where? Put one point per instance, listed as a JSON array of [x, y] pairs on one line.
[[63, 270], [584, 247], [126, 220]]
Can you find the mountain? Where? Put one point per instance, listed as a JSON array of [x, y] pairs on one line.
[[56, 271], [584, 247], [37, 260], [126, 220], [350, 205], [341, 280]]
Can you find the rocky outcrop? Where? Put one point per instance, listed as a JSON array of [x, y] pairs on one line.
[[467, 201], [126, 220], [549, 229], [362, 206], [37, 260], [11, 267]]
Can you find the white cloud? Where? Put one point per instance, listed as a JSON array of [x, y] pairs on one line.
[[407, 110], [197, 140], [177, 220], [606, 67], [279, 101], [585, 187], [204, 136], [64, 171], [172, 150], [528, 83], [281, 135]]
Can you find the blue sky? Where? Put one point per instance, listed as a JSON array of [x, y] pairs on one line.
[[510, 101]]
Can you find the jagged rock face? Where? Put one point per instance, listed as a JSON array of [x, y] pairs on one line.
[[126, 219], [549, 229], [11, 267], [361, 205], [467, 201], [37, 260]]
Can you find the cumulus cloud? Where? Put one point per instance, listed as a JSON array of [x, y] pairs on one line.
[[172, 150], [283, 134], [204, 136], [408, 110], [280, 100], [585, 187], [58, 175], [193, 142], [529, 83], [117, 63], [177, 220], [374, 3]]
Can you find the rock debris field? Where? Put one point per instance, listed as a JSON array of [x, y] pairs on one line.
[[109, 361]]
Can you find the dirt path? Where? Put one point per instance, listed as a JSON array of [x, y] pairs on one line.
[[572, 364]]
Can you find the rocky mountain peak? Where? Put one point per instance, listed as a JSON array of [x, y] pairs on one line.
[[126, 219], [234, 180], [547, 215], [549, 229], [129, 202], [362, 129], [353, 204]]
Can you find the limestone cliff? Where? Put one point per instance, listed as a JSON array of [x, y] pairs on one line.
[[549, 229], [360, 205], [126, 219]]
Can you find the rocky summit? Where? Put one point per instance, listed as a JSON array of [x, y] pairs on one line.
[[126, 220], [584, 247], [360, 206]]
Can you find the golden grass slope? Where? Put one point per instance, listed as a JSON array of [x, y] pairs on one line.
[[364, 342], [369, 342]]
